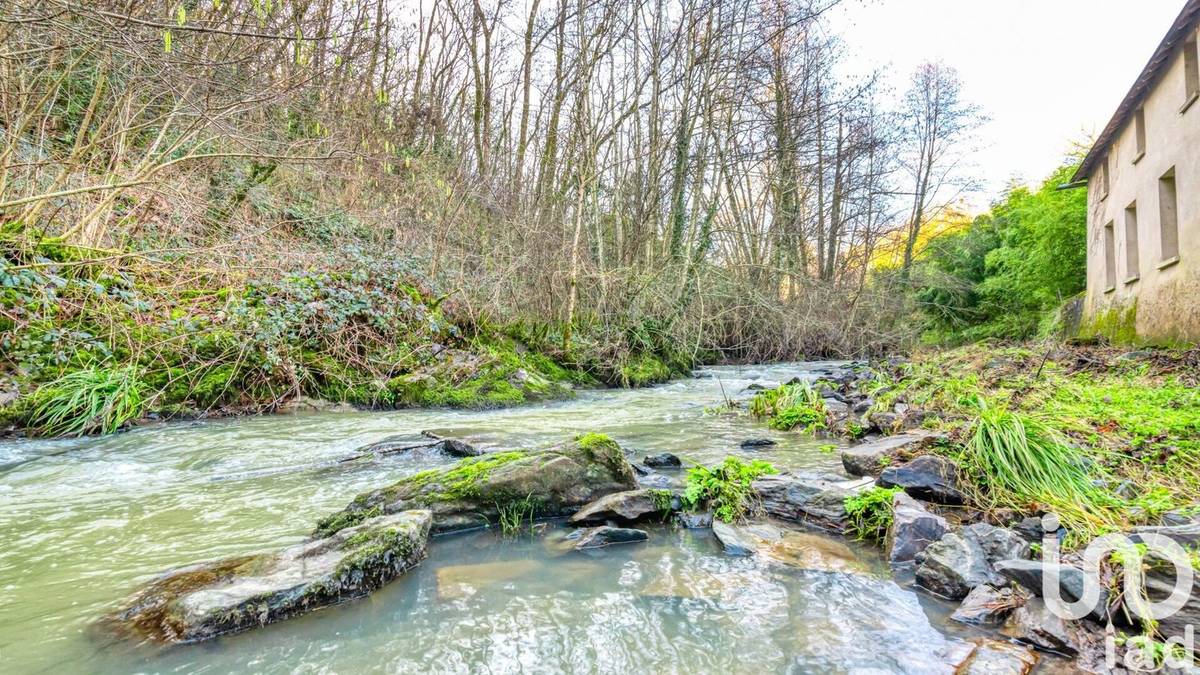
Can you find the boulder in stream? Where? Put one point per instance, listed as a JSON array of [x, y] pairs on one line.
[[203, 601], [928, 477], [473, 492], [628, 506], [912, 529], [605, 535], [804, 499], [663, 460]]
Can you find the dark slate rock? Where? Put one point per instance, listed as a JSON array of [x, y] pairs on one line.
[[1071, 580], [953, 566], [756, 443], [913, 529], [813, 501], [869, 459], [605, 535], [929, 477], [694, 521], [662, 461], [1186, 535], [1036, 625]]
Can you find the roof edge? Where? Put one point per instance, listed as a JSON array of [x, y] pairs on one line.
[[1183, 25]]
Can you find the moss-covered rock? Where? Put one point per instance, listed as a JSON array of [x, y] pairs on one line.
[[474, 492], [203, 601]]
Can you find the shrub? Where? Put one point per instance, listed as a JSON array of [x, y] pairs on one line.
[[725, 489]]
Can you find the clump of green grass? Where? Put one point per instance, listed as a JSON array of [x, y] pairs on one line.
[[89, 400], [871, 512], [517, 515], [790, 406], [1024, 462], [726, 488]]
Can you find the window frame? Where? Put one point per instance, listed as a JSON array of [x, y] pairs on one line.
[[1168, 219], [1133, 265]]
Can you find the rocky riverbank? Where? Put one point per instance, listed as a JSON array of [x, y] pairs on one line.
[[994, 469]]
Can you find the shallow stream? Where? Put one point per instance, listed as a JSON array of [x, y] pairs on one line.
[[84, 522]]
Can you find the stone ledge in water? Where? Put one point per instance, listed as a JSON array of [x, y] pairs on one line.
[[203, 601], [804, 499], [871, 458], [475, 491]]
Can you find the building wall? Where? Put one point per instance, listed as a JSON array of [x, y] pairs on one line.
[[1163, 304]]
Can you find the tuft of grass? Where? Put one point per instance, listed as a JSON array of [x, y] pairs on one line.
[[89, 400], [1024, 462], [517, 515], [790, 406], [871, 512], [726, 488]]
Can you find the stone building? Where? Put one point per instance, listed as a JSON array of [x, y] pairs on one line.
[[1143, 182]]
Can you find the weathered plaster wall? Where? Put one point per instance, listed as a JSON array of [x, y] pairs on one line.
[[1162, 305]]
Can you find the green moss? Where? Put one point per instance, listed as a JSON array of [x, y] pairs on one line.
[[1118, 325], [662, 501], [644, 369], [604, 450], [339, 521]]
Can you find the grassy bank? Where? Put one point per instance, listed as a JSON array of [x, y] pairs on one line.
[[93, 342], [1108, 438]]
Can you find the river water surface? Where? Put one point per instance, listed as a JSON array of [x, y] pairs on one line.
[[84, 522]]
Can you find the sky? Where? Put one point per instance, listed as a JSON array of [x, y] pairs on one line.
[[1046, 72]]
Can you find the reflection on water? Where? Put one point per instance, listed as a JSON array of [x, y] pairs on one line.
[[83, 522]]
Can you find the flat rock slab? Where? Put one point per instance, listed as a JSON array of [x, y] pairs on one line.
[[869, 459], [455, 582], [734, 539], [813, 501], [203, 601]]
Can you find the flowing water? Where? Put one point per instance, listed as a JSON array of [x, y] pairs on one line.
[[84, 522]]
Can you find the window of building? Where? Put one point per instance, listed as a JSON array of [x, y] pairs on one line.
[[1168, 219], [1191, 73], [1131, 244], [1110, 259], [1139, 133]]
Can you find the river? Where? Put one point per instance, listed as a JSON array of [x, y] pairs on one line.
[[83, 522]]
